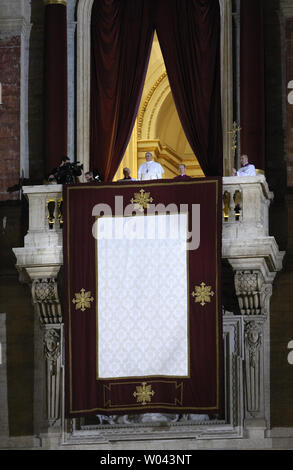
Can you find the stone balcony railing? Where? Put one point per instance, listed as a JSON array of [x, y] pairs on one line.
[[42, 252], [246, 202], [245, 235], [251, 252]]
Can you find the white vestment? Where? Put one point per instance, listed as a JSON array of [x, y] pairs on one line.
[[247, 170], [150, 171]]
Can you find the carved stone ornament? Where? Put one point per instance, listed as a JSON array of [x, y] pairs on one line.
[[52, 344], [46, 299], [246, 282], [45, 290], [253, 340], [248, 286]]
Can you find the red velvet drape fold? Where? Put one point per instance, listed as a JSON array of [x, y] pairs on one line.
[[122, 35], [189, 36], [55, 86], [252, 98]]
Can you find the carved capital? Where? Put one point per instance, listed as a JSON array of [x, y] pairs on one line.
[[46, 299], [45, 290], [248, 286]]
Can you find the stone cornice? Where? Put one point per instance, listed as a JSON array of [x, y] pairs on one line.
[[14, 26]]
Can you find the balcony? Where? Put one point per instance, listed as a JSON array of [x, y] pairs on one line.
[[252, 254]]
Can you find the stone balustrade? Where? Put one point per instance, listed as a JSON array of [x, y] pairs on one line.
[[42, 256], [246, 202]]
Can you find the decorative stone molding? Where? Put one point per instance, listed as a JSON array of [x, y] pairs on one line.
[[253, 340], [255, 375], [52, 353], [48, 309], [158, 93], [52, 348], [248, 285]]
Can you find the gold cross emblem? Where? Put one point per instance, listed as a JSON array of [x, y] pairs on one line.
[[234, 131], [82, 300], [202, 294], [143, 393], [141, 200]]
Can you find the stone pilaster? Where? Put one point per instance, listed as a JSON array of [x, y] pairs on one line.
[[14, 43], [255, 259], [45, 297]]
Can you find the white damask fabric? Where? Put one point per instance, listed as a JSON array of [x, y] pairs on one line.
[[142, 312]]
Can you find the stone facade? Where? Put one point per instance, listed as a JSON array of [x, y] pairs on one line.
[[256, 333], [255, 259]]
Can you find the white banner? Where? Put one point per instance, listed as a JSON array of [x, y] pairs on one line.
[[142, 312]]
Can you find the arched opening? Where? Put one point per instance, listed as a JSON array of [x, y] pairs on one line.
[[156, 76], [158, 127]]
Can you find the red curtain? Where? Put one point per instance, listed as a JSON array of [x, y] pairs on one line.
[[252, 99], [200, 391], [121, 42], [55, 86], [189, 36]]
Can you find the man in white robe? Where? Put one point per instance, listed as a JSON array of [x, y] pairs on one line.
[[150, 170], [247, 169]]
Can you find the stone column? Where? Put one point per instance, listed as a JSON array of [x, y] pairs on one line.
[[55, 87], [227, 85]]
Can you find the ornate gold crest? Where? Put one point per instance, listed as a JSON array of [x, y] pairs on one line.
[[141, 200], [82, 300], [143, 393], [202, 294]]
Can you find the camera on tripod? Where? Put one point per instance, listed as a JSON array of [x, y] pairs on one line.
[[67, 172]]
